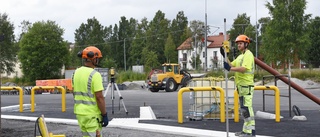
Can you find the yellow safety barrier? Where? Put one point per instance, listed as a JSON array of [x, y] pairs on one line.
[[195, 89], [276, 101], [61, 89], [20, 95], [44, 130]]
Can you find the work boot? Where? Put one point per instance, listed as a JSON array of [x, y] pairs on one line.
[[238, 133]]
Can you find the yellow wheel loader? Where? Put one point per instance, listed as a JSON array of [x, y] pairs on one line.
[[169, 78]]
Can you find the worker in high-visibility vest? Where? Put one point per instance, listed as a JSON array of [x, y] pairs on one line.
[[89, 102], [243, 66]]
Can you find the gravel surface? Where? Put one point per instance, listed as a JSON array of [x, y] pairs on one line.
[[18, 128]]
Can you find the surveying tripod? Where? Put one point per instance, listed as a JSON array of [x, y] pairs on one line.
[[112, 84]]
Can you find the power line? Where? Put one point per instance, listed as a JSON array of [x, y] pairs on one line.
[[128, 39]]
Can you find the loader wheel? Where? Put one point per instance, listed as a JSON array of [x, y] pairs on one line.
[[171, 85], [154, 90]]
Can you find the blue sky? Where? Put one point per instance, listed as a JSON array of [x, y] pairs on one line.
[[69, 14]]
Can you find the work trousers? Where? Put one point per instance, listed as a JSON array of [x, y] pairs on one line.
[[90, 125], [245, 97]]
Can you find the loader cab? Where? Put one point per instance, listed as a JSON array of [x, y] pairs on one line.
[[171, 68]]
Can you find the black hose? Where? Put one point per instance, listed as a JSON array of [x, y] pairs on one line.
[[296, 110], [35, 127]]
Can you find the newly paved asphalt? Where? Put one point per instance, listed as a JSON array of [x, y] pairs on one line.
[[164, 106]]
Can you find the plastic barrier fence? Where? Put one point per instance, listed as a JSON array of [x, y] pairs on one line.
[[61, 89]]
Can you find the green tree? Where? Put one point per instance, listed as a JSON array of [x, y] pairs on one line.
[[251, 33], [43, 52], [314, 50], [8, 50], [139, 43], [25, 25], [177, 29], [150, 60], [115, 45], [286, 33], [170, 50], [196, 28], [91, 33], [195, 62], [127, 30], [239, 26], [262, 25], [157, 34]]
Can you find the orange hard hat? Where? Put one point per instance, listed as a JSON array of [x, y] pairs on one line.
[[90, 52], [243, 38]]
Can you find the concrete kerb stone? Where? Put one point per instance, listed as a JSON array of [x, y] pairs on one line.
[[133, 123], [16, 107]]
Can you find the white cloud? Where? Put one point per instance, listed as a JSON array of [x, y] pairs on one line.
[[69, 14]]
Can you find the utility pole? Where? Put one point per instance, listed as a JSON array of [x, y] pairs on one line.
[[195, 45], [256, 31], [124, 54], [205, 41]]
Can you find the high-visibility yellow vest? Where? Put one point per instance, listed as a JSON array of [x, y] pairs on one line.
[[86, 81], [244, 60]]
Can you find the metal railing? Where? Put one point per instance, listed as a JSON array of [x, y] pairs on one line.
[[60, 88], [276, 101], [275, 83], [197, 89], [20, 95]]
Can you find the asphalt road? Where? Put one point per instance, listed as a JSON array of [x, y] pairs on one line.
[[164, 106]]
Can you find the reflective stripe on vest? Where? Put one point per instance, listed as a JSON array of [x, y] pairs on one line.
[[88, 95]]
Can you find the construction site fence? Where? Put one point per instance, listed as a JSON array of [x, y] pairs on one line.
[[204, 89], [206, 104], [197, 89]]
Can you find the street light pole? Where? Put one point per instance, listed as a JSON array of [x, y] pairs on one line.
[[205, 40], [256, 31], [124, 54], [195, 45]]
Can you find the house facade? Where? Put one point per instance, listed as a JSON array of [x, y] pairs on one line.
[[191, 47]]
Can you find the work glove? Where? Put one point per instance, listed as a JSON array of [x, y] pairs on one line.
[[226, 66], [105, 120]]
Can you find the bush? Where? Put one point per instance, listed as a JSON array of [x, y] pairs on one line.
[[130, 76], [306, 74]]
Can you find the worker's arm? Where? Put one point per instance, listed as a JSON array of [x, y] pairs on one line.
[[233, 68], [238, 69], [101, 102]]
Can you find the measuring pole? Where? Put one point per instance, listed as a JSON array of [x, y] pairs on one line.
[[226, 79]]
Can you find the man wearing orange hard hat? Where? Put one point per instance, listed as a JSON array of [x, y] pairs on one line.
[[89, 102], [243, 66]]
